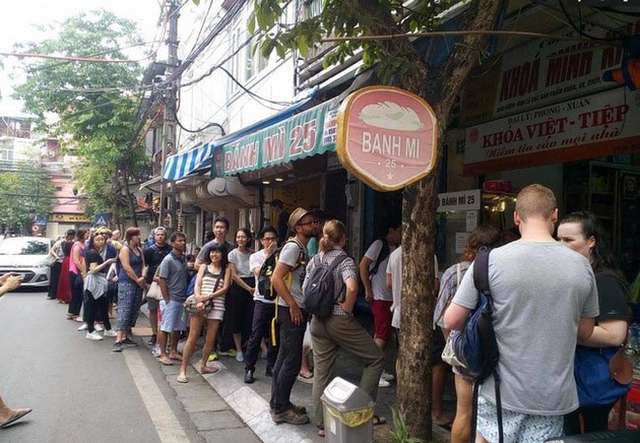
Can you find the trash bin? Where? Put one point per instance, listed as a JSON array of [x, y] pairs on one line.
[[348, 413]]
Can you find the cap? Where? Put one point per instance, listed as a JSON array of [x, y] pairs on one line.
[[296, 216], [160, 229]]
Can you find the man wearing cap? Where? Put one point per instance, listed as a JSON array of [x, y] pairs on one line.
[[153, 256], [287, 281]]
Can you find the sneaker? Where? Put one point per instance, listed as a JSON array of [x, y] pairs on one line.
[[152, 340], [129, 343], [99, 327], [240, 357], [94, 336], [248, 377], [230, 353], [117, 347], [110, 333], [382, 383], [212, 357], [386, 376], [298, 409], [290, 416], [155, 351], [84, 327], [307, 380]]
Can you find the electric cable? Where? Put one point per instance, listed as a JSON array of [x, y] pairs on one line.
[[584, 34], [219, 27], [219, 64], [249, 92]]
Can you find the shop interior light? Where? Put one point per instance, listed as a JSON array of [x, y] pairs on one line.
[[266, 182], [279, 179]]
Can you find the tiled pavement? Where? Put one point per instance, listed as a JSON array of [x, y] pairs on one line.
[[225, 409]]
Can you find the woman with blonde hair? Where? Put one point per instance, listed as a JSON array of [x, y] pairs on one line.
[[340, 329]]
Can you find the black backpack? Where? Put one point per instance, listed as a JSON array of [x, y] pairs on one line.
[[476, 346], [319, 289], [269, 265]]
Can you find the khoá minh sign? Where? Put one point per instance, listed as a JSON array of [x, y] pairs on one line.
[[387, 137]]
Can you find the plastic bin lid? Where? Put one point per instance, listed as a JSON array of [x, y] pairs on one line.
[[345, 396]]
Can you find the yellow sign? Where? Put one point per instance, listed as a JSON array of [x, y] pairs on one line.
[[77, 218], [387, 137]]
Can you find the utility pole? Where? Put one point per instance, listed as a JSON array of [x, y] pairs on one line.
[[170, 99]]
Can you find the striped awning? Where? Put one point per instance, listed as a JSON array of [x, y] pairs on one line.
[[188, 162]]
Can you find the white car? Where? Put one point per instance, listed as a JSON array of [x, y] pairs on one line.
[[26, 256]]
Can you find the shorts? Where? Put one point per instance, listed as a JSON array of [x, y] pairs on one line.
[[174, 316], [382, 318], [152, 304], [437, 346], [518, 427]]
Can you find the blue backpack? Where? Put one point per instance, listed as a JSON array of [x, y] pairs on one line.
[[476, 346]]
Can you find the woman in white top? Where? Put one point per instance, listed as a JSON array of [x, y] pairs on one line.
[[212, 283], [241, 292]]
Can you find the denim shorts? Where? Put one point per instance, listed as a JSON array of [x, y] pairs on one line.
[[518, 427], [174, 316]]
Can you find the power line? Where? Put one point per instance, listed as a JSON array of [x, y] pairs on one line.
[[249, 92]]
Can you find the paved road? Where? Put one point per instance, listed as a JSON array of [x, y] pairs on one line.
[[79, 390]]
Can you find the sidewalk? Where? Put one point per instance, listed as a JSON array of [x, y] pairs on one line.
[[251, 402]]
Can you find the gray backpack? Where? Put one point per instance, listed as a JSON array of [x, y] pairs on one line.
[[319, 290]]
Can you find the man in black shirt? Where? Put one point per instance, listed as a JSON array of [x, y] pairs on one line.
[[153, 256]]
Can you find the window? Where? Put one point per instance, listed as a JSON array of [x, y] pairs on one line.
[[254, 60]]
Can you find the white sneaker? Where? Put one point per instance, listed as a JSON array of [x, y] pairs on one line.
[[84, 327], [386, 376], [99, 327], [109, 333], [155, 351], [240, 357], [94, 336], [383, 383]]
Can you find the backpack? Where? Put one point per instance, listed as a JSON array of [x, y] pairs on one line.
[[269, 265], [384, 253], [319, 289], [476, 346]]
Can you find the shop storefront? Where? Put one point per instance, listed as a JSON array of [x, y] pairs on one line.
[[543, 114], [385, 146]]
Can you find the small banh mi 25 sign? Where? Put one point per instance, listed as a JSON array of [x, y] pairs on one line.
[[387, 137], [459, 201]]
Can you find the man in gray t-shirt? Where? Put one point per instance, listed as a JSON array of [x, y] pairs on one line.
[[286, 280], [173, 280], [545, 299]]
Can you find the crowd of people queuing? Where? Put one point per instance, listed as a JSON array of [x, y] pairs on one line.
[[560, 301]]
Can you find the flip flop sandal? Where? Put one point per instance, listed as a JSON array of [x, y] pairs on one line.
[[182, 379], [166, 363], [321, 432], [209, 370], [17, 416]]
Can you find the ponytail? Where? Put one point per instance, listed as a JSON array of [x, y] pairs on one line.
[[332, 234]]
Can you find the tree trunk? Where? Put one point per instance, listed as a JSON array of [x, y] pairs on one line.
[[440, 88]]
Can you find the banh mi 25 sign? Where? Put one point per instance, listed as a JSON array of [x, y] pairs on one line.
[[387, 137]]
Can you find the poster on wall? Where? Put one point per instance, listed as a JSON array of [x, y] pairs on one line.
[[599, 125], [387, 137]]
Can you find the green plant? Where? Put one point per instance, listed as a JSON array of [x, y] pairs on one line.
[[399, 433]]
